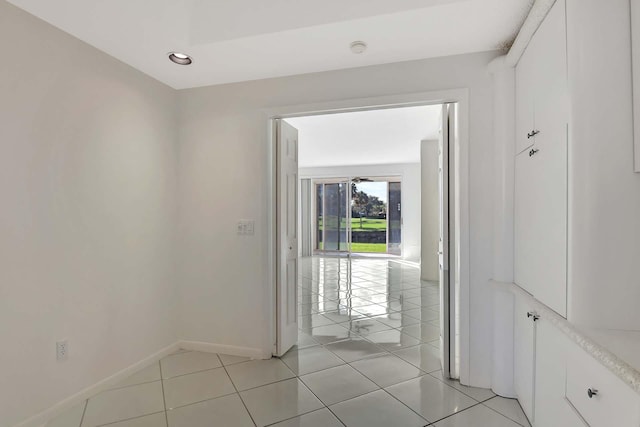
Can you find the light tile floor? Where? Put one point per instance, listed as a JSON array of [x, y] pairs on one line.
[[367, 355]]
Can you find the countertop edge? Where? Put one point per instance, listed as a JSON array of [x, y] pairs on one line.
[[621, 369]]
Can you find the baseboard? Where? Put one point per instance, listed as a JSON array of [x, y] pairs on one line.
[[232, 350], [40, 419]]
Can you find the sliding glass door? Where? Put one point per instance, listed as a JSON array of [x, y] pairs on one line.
[[358, 215], [394, 217], [336, 216]]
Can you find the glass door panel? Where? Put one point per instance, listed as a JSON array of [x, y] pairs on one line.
[[369, 201], [335, 217], [319, 217], [395, 218]]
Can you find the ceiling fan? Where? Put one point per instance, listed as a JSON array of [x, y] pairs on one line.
[[359, 179]]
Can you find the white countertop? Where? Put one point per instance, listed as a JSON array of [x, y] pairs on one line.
[[623, 348]]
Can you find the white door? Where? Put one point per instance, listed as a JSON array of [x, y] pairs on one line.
[[443, 246], [287, 236]]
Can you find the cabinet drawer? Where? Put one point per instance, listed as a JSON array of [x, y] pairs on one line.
[[615, 403]]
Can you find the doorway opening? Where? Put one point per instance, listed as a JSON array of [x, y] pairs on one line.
[[357, 215], [328, 212]]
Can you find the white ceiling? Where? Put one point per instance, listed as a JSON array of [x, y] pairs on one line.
[[373, 137], [238, 40]]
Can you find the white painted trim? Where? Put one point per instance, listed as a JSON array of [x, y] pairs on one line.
[[460, 96], [232, 350], [61, 407], [538, 12]]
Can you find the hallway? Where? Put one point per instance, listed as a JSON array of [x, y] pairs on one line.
[[367, 357]]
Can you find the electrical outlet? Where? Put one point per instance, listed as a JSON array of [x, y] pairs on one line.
[[62, 350]]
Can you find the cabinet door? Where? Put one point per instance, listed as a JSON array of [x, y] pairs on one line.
[[552, 409], [541, 173], [551, 87], [525, 82], [550, 222], [540, 223], [526, 237], [551, 164], [524, 356]]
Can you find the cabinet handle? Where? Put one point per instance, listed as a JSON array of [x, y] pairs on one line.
[[592, 392], [533, 314], [532, 134], [533, 151]]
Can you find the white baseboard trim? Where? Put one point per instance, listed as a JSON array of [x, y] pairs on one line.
[[232, 350], [40, 419]]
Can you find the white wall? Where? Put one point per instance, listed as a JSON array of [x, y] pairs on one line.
[[224, 177], [409, 174], [87, 183], [430, 218], [604, 195]]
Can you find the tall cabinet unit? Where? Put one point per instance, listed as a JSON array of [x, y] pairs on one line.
[[573, 83], [541, 164]]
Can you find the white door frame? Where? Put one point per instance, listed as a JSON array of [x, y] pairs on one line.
[[461, 162]]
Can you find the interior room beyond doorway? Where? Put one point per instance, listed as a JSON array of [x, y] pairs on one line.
[[361, 183]]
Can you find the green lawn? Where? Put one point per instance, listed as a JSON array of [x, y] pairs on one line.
[[369, 247], [364, 247], [356, 226], [368, 224]]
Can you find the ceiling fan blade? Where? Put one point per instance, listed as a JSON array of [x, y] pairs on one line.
[[359, 179]]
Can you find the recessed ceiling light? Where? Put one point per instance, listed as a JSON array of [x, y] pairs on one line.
[[358, 47], [180, 58]]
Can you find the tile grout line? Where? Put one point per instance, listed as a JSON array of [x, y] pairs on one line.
[[353, 397], [237, 391], [189, 373], [164, 399], [133, 385], [84, 411], [383, 389], [457, 412], [201, 401], [319, 400], [130, 418], [498, 412]]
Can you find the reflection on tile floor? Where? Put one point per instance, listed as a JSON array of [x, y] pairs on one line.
[[367, 355]]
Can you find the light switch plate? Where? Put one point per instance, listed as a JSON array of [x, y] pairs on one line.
[[246, 227]]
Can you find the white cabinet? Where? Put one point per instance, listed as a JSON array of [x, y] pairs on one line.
[[601, 398], [541, 169], [541, 223], [541, 80], [524, 355], [552, 409], [526, 226], [525, 90], [557, 382]]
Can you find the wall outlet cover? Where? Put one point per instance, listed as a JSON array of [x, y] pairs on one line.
[[62, 350]]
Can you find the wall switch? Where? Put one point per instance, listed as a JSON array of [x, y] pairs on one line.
[[62, 350], [246, 227]]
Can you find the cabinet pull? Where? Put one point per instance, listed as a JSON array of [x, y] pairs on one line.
[[533, 151], [533, 314], [532, 134], [592, 392]]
